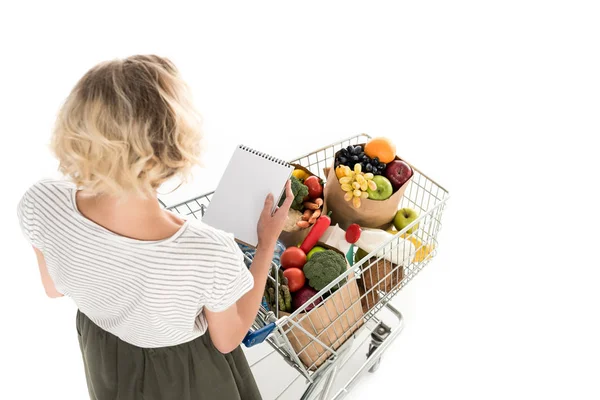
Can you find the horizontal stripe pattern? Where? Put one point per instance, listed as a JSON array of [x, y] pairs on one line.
[[148, 293]]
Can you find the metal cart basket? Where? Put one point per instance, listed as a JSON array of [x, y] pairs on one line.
[[353, 302]]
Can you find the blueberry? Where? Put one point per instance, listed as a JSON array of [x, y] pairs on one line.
[[350, 149], [343, 160], [354, 158], [357, 150], [369, 167], [362, 154], [376, 160], [375, 171], [382, 166], [344, 152]]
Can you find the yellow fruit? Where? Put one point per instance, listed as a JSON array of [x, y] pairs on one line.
[[347, 187], [340, 172], [345, 180], [356, 202], [423, 251], [382, 148], [348, 196], [300, 174]]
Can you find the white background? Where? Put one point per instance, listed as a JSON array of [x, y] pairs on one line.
[[497, 101]]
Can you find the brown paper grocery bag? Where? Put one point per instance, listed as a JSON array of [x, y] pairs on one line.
[[377, 274], [371, 214], [332, 322]]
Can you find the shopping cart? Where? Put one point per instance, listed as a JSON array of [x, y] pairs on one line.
[[353, 303]]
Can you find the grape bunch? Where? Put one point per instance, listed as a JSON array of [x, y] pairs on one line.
[[356, 183], [352, 155]]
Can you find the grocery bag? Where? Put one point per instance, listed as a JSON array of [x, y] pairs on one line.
[[293, 236], [332, 322], [377, 274], [371, 213]]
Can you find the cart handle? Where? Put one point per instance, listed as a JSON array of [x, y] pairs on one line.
[[258, 336]]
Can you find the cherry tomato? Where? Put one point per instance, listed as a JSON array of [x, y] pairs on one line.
[[315, 189], [295, 277], [293, 257], [353, 233]]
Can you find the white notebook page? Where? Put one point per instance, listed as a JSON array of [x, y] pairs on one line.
[[240, 196]]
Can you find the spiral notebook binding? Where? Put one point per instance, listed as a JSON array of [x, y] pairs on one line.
[[264, 155]]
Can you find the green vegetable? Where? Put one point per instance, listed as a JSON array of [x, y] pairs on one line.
[[285, 297], [323, 268], [300, 191]]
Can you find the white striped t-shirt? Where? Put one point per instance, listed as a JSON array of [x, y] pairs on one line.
[[148, 293]]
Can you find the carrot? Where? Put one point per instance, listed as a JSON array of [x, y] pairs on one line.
[[307, 214], [311, 206], [314, 217]]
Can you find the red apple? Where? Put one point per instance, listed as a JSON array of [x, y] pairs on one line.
[[398, 172]]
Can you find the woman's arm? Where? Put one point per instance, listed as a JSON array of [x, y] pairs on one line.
[[228, 328], [46, 279]]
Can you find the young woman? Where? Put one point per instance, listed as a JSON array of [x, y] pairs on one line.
[[163, 303]]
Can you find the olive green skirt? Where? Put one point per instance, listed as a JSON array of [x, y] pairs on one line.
[[196, 370]]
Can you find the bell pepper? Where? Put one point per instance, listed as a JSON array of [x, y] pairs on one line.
[[318, 229]]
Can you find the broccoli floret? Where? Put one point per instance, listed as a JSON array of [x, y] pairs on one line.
[[300, 191], [324, 267]]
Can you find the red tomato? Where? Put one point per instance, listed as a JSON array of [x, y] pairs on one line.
[[353, 233], [293, 257], [295, 277], [315, 189]]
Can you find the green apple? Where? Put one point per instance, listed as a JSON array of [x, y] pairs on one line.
[[404, 217], [384, 188], [314, 250]]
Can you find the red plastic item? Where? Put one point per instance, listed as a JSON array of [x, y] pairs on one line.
[[316, 232], [353, 233]]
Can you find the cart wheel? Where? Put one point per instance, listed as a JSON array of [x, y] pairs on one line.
[[375, 366]]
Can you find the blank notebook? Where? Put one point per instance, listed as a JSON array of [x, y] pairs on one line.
[[237, 203]]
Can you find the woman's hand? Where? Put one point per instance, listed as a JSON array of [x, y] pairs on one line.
[[270, 226]]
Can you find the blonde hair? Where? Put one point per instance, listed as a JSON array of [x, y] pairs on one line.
[[127, 127]]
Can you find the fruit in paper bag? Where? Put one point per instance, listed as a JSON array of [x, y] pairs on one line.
[[353, 155], [398, 172], [293, 257], [302, 296], [295, 277], [382, 148], [404, 217], [356, 183], [383, 190]]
